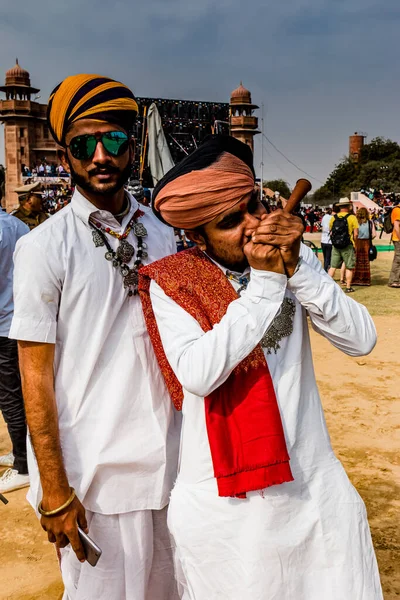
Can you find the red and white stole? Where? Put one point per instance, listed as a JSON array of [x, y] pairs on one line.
[[244, 426]]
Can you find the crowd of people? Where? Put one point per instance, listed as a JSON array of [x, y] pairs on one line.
[[118, 335], [354, 257], [37, 201], [44, 169], [56, 197], [313, 215], [351, 249]]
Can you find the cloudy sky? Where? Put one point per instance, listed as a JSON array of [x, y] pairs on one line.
[[322, 68]]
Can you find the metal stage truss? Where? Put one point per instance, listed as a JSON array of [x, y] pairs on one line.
[[185, 122]]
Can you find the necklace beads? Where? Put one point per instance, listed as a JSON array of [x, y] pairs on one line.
[[125, 251], [120, 236]]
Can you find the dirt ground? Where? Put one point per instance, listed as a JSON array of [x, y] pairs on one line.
[[363, 413]]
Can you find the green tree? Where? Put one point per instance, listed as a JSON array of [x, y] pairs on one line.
[[380, 149], [341, 178], [322, 196], [378, 168], [278, 185]]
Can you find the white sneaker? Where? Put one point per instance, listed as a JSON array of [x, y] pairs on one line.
[[7, 460], [11, 480]]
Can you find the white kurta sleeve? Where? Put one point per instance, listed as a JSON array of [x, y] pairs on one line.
[[37, 290], [343, 321], [203, 361]]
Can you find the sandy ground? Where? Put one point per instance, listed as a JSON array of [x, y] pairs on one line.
[[362, 410], [363, 414]]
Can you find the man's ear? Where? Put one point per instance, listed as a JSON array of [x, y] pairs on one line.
[[62, 156], [195, 236]]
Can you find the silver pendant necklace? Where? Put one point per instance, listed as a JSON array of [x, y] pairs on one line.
[[125, 251], [281, 326]]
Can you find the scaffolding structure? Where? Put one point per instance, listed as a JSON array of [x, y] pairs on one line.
[[185, 122]]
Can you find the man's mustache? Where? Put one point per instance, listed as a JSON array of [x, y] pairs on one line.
[[103, 171]]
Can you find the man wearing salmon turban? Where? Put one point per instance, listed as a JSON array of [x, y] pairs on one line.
[[261, 508], [103, 433]]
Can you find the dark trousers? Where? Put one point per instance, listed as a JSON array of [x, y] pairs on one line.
[[395, 272], [327, 253], [11, 402]]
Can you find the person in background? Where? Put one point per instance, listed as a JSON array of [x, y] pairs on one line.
[[335, 211], [394, 278], [312, 217], [30, 209], [147, 197], [343, 241], [135, 188], [366, 232], [326, 243], [11, 402]]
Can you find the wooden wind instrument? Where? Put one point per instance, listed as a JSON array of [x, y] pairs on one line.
[[300, 191]]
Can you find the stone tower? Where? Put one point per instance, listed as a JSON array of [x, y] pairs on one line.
[[356, 143], [27, 139], [244, 126]]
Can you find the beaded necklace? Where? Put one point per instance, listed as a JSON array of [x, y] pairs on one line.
[[242, 280], [125, 251]]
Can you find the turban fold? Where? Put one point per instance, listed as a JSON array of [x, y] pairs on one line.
[[89, 97], [211, 180]]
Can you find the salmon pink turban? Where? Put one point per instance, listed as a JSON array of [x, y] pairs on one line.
[[215, 178]]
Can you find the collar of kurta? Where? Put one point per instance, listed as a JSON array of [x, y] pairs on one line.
[[245, 273], [84, 209]]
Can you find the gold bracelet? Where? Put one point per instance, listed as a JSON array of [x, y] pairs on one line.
[[56, 511]]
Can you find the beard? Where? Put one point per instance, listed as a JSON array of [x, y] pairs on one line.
[[225, 258], [107, 189]]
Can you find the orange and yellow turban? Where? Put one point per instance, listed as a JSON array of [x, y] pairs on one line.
[[89, 97], [211, 180]]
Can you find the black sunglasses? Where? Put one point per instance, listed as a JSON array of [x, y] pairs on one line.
[[83, 147]]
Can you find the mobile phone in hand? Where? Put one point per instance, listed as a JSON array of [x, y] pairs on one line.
[[92, 551]]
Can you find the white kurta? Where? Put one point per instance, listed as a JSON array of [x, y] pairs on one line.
[[304, 540], [119, 433]]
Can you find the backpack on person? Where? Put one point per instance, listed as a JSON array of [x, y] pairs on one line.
[[340, 236], [387, 222]]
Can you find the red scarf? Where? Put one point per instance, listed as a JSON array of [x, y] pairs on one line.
[[244, 427]]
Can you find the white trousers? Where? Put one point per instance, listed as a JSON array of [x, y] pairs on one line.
[[136, 563]]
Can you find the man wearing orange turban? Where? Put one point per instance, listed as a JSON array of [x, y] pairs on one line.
[[261, 508], [102, 428]]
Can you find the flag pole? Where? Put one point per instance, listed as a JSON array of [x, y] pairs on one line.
[[143, 144]]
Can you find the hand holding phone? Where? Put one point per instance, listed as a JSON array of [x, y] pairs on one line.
[[92, 551]]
